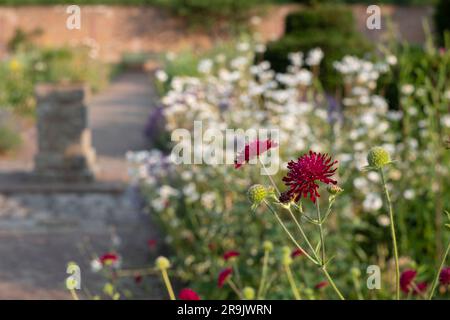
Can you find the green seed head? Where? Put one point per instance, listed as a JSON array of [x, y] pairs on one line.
[[249, 293], [162, 263], [268, 246], [378, 157], [257, 193], [287, 260]]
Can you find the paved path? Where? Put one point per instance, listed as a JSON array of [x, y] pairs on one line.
[[117, 117], [41, 231]]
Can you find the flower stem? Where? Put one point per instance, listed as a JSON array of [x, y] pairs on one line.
[[74, 294], [292, 282], [322, 242], [289, 233], [330, 280], [263, 274], [394, 238], [234, 288], [168, 284], [436, 279], [269, 175]]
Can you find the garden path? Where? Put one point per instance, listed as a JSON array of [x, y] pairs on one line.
[[42, 229]]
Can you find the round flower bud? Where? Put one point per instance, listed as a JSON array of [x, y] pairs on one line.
[[249, 293], [378, 157], [162, 263], [268, 246], [287, 260], [355, 272], [257, 193], [334, 189]]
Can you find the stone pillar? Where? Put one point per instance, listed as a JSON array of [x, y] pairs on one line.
[[65, 153]]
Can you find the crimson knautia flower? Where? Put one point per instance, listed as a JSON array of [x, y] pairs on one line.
[[188, 294], [406, 280], [304, 174], [223, 276], [109, 259], [407, 284], [253, 149], [321, 284], [444, 276], [230, 254], [297, 253]]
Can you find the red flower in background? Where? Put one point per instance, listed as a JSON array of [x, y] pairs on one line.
[[321, 284], [253, 149], [420, 288], [137, 278], [223, 276], [230, 254], [109, 259], [297, 253], [188, 294], [305, 172], [151, 243], [407, 282], [444, 276]]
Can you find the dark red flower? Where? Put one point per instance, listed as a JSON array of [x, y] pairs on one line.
[[406, 280], [306, 171], [223, 276], [420, 288], [137, 278], [230, 254], [444, 276], [297, 253], [188, 294], [321, 284], [109, 259], [253, 149], [151, 243]]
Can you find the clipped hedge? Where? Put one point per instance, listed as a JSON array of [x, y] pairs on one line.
[[330, 28]]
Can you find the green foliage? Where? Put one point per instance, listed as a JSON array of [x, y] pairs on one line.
[[441, 18], [330, 28]]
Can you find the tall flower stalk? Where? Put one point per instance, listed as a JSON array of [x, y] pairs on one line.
[[378, 158]]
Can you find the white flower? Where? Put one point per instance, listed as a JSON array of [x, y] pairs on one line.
[[392, 60], [304, 77], [360, 183], [372, 202], [315, 56], [445, 120], [409, 194], [383, 220], [161, 75], [205, 66], [208, 200], [96, 265], [296, 58], [407, 89]]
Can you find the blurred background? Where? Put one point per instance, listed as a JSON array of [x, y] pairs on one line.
[[122, 68]]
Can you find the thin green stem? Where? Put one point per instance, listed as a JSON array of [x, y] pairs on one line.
[[322, 242], [269, 175], [292, 282], [234, 288], [168, 284], [394, 238], [436, 279], [263, 274], [330, 280], [289, 233]]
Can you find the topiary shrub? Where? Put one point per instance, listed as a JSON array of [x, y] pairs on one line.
[[441, 18], [330, 28]]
